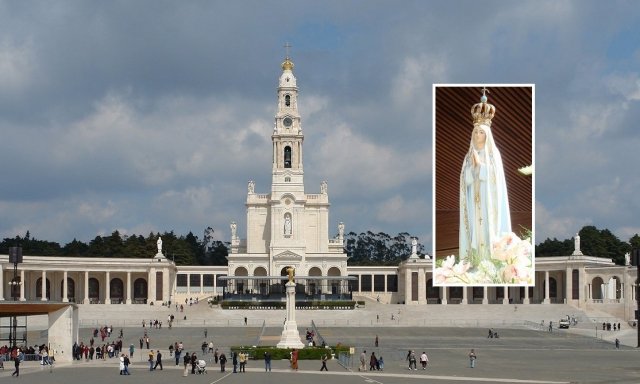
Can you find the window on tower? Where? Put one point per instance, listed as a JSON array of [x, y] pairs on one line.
[[287, 157], [287, 100]]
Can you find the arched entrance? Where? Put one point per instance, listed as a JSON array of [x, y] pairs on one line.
[[94, 290], [314, 286], [597, 288], [140, 291], [39, 289], [71, 289], [116, 291]]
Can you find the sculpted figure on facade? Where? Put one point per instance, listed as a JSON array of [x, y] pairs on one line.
[[234, 228], [341, 230], [287, 225], [323, 187], [251, 186], [291, 271]]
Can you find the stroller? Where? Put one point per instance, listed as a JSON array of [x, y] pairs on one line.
[[201, 367]]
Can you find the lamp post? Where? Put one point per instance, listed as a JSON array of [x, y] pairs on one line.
[[15, 257]]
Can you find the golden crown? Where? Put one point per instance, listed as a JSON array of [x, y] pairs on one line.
[[287, 64], [483, 112]]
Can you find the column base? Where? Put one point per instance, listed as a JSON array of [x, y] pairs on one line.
[[546, 301], [526, 301], [65, 300]]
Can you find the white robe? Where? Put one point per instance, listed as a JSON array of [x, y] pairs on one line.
[[484, 204]]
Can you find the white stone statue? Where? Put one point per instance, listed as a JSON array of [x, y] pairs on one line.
[[251, 186], [234, 227], [627, 259], [159, 243], [414, 246], [484, 206], [576, 247], [287, 225], [341, 230], [323, 187]]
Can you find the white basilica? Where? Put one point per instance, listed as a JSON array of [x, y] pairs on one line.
[[287, 227]]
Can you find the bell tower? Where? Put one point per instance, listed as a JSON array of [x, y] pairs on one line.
[[287, 138]]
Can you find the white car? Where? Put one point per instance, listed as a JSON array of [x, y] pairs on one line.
[[564, 323]]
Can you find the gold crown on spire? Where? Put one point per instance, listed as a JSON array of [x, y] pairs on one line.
[[483, 112], [287, 64]]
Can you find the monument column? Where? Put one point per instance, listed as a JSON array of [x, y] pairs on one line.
[[86, 287], [485, 298], [107, 295], [505, 297], [464, 295], [526, 296], [128, 287], [444, 295], [546, 288], [166, 289], [65, 289], [43, 289], [290, 336]]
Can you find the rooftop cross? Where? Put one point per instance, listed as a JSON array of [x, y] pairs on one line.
[[286, 47]]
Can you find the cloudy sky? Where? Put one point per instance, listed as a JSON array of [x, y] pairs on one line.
[[152, 115]]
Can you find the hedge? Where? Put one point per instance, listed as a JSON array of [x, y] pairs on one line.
[[307, 353]]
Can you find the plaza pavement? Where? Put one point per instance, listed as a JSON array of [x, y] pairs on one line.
[[520, 355]]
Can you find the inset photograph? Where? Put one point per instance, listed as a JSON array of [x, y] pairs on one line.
[[483, 185]]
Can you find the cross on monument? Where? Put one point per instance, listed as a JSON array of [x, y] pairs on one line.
[[286, 47], [484, 89]]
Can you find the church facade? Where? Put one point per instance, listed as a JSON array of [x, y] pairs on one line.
[[288, 227]]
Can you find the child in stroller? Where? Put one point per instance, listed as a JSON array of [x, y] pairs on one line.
[[201, 367]]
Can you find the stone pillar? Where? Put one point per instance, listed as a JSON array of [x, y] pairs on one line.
[[128, 287], [485, 297], [385, 283], [505, 297], [568, 291], [86, 287], [290, 336], [526, 296], [464, 295], [1, 283], [422, 286], [444, 295], [107, 290], [166, 289], [151, 285], [65, 288], [188, 284], [546, 288], [44, 286], [407, 286], [22, 284], [249, 284]]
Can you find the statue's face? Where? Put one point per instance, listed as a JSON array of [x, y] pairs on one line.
[[479, 137]]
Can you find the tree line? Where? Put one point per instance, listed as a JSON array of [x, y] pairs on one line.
[[184, 249], [593, 242], [366, 248]]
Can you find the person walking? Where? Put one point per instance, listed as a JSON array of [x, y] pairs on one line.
[[234, 361], [158, 360], [186, 360], [324, 363], [223, 361], [617, 343], [151, 355], [242, 357], [373, 362], [424, 360], [363, 361], [126, 365], [122, 364], [376, 342], [267, 361], [16, 362], [411, 358], [380, 363], [294, 359], [472, 358], [194, 362]]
